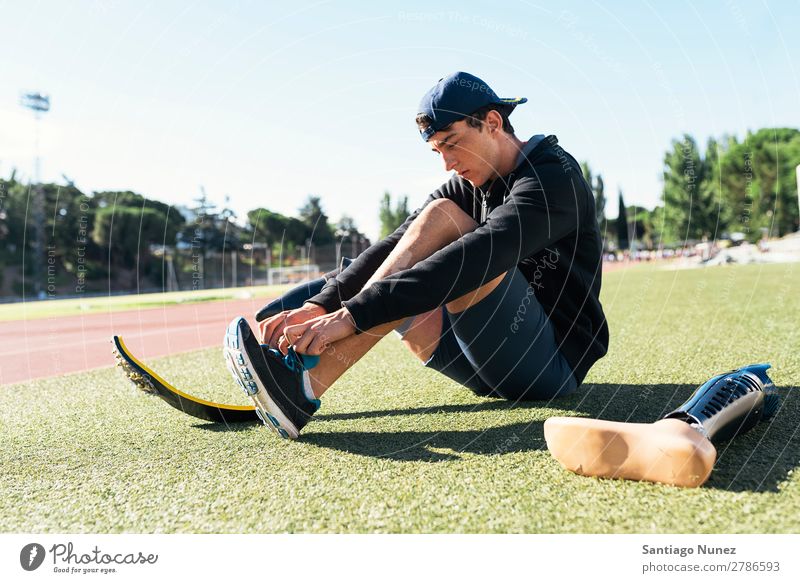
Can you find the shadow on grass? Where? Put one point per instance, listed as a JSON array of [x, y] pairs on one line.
[[757, 461]]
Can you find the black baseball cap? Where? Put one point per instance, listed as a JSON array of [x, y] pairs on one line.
[[456, 96]]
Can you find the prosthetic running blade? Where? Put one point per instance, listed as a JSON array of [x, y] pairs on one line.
[[144, 378]]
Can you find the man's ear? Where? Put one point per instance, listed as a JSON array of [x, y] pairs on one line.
[[493, 121]]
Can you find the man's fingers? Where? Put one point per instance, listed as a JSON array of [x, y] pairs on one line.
[[283, 345], [265, 327], [295, 331], [314, 340], [275, 336], [274, 328], [312, 336], [301, 343], [265, 330], [317, 346]]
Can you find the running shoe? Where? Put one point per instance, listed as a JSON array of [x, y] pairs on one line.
[[275, 383]]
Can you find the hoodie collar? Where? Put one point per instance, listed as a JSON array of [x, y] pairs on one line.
[[529, 147], [501, 184], [526, 150]]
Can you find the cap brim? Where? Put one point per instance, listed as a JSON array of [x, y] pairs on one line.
[[513, 100]]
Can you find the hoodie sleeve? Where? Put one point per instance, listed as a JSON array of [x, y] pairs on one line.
[[528, 221], [350, 281]]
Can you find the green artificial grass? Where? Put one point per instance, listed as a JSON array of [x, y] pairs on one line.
[[399, 448], [33, 310]]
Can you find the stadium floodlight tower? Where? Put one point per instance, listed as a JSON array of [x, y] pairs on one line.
[[39, 104]]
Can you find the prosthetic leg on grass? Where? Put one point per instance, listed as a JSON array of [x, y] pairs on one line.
[[680, 448], [146, 379]]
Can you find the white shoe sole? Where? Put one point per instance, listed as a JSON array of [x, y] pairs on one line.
[[242, 370]]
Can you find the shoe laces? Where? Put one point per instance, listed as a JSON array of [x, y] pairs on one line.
[[295, 361]]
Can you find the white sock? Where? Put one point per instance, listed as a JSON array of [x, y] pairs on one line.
[[307, 386]]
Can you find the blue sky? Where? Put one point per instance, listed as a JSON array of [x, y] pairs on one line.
[[269, 102]]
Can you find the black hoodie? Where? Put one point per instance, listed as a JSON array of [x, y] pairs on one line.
[[540, 218]]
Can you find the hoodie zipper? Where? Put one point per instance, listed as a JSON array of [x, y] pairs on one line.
[[484, 207], [485, 195]]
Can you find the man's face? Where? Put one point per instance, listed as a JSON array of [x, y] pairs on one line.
[[470, 152]]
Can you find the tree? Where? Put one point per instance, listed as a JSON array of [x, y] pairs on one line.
[[316, 221], [68, 216], [598, 189], [346, 227], [715, 220], [386, 215], [392, 218], [786, 143], [231, 232], [15, 220], [641, 226], [758, 181], [623, 241], [208, 229], [685, 211], [268, 227], [600, 201], [401, 211], [172, 221], [126, 232], [69, 220], [587, 174], [274, 228], [126, 226], [746, 186]]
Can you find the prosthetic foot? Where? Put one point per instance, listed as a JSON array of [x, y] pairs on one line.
[[677, 450]]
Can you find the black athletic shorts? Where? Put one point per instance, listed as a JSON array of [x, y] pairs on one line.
[[504, 346]]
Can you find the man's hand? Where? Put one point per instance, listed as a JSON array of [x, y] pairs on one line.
[[315, 335], [271, 329]]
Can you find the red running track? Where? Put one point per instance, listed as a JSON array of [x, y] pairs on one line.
[[31, 349]]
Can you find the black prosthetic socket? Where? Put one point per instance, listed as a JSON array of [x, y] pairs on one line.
[[730, 404], [297, 296]]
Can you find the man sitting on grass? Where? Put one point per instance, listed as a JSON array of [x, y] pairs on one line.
[[494, 282]]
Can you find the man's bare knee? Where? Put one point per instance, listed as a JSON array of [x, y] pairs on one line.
[[440, 223], [446, 218]]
